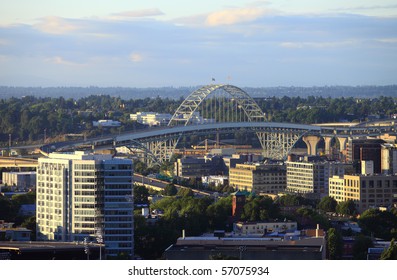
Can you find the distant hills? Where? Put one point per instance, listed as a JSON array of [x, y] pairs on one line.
[[181, 92]]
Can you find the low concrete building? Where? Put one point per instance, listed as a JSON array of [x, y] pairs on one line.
[[151, 118], [216, 180], [106, 123], [9, 233], [247, 228], [205, 248]]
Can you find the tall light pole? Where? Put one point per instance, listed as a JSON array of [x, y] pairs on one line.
[[86, 248], [99, 239]]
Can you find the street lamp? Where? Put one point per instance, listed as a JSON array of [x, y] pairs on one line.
[[86, 248], [99, 239], [242, 249]]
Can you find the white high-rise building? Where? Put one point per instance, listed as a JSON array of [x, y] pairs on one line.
[[85, 195]]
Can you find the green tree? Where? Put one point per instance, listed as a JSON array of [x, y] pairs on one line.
[[28, 198], [219, 212], [391, 252], [141, 194], [8, 210], [259, 209], [360, 247], [381, 224], [327, 204], [170, 190], [30, 223], [334, 244], [346, 207], [185, 192]]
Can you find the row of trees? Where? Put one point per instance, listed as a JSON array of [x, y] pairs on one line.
[[31, 118]]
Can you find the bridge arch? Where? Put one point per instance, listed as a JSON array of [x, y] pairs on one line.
[[189, 106]]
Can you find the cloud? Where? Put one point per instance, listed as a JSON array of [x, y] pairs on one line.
[[4, 42], [3, 58], [61, 61], [316, 45], [246, 42], [136, 57], [137, 14], [388, 40], [365, 8], [234, 16], [56, 25]]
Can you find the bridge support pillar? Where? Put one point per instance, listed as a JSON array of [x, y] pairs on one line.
[[342, 143], [327, 144], [311, 143]]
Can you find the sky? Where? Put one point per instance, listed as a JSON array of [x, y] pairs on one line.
[[156, 43]]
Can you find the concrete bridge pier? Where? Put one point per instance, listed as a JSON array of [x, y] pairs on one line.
[[342, 143], [311, 143], [327, 144]]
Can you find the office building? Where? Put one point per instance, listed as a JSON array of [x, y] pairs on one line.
[[367, 191], [388, 158], [309, 175], [359, 150], [21, 181], [193, 167], [258, 178], [86, 196]]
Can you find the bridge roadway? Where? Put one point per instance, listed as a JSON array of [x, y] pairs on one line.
[[159, 185], [164, 133], [17, 162], [205, 128], [167, 131]]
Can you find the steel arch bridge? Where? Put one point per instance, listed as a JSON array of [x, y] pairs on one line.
[[158, 144], [276, 139], [184, 113]]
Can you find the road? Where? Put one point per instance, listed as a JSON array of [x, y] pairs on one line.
[[160, 185]]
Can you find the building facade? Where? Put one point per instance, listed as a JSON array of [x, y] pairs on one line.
[[83, 196], [193, 167], [388, 158], [246, 228], [20, 180], [364, 149], [367, 191], [310, 176], [151, 118], [259, 178]]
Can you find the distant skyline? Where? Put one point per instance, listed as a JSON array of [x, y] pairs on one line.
[[177, 43]]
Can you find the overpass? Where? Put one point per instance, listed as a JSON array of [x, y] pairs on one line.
[[17, 162]]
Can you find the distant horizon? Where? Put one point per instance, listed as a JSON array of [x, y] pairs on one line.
[[171, 92], [195, 86]]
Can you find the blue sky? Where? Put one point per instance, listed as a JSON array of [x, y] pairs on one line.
[[157, 43]]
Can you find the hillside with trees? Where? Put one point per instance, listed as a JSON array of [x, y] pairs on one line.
[[32, 119]]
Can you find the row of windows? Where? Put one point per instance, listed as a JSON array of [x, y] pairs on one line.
[[84, 166], [118, 231], [84, 213]]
